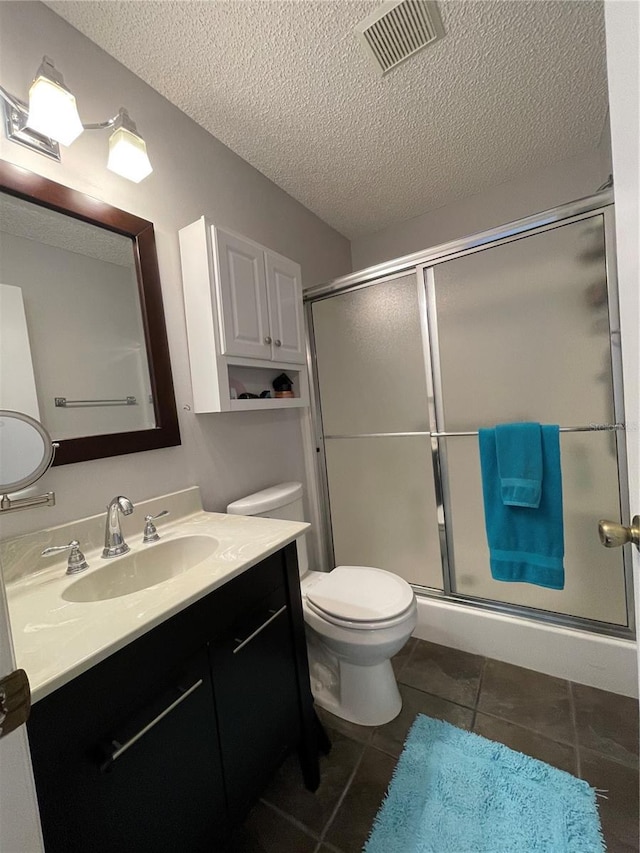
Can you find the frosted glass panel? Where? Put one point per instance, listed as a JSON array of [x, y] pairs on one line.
[[370, 360], [383, 509], [594, 579], [524, 331]]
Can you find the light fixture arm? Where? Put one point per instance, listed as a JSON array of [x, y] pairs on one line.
[[10, 99], [121, 119], [100, 125]]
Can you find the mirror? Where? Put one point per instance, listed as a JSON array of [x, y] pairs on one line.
[[26, 451], [83, 344]]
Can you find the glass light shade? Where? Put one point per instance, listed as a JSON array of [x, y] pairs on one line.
[[128, 155], [53, 111]]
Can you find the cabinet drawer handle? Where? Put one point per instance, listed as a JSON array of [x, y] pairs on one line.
[[267, 340], [243, 643], [120, 748]]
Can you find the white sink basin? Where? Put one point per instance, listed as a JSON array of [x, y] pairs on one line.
[[143, 568]]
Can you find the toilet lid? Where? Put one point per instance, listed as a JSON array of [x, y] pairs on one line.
[[361, 594]]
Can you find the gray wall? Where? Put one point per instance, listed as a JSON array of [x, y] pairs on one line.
[[194, 174], [559, 183]]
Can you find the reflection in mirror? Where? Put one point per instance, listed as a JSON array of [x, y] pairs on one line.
[[26, 452], [72, 344]]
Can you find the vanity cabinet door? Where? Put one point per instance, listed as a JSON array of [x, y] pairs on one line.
[[147, 780], [256, 696]]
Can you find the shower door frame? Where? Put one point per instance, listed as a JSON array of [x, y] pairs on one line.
[[423, 265]]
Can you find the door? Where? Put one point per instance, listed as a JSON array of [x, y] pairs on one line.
[[527, 331], [373, 396], [125, 765], [242, 292], [19, 817], [623, 49], [284, 290], [255, 686]]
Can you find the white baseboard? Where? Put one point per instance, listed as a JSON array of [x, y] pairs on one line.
[[605, 662]]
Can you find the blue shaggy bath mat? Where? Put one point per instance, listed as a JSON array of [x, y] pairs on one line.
[[456, 792]]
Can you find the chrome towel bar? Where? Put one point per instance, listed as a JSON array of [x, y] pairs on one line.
[[63, 403], [590, 428]]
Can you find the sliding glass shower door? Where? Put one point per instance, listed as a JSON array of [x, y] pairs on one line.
[[372, 383], [408, 368], [523, 334]]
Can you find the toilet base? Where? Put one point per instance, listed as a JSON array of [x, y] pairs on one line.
[[368, 695]]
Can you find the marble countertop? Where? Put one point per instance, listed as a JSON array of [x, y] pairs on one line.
[[56, 640]]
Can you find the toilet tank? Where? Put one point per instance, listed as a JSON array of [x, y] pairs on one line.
[[282, 501]]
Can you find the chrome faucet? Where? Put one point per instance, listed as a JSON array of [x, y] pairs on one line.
[[114, 543]]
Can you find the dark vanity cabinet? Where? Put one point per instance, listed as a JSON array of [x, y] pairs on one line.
[[167, 743]]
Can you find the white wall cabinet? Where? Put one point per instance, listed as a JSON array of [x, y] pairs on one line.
[[245, 323]]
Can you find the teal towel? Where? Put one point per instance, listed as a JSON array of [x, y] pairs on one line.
[[519, 449], [525, 544]]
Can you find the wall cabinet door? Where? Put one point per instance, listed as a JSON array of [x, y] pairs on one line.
[[242, 291], [256, 697], [284, 289]]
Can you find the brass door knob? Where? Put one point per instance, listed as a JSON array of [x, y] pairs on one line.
[[613, 535]]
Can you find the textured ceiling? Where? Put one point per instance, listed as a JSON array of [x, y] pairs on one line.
[[23, 219], [512, 87]]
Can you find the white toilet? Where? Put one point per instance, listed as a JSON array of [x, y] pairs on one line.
[[356, 617]]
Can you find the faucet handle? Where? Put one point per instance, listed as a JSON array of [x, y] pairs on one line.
[[150, 533], [76, 562]]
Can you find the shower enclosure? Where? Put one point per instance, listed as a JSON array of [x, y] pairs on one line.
[[411, 358]]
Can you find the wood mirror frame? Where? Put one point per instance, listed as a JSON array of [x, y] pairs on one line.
[[24, 184]]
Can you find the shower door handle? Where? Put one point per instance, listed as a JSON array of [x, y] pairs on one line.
[[613, 535]]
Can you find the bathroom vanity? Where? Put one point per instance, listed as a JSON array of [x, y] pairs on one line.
[[164, 739]]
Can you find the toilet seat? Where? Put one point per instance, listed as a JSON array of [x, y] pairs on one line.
[[361, 626], [361, 597]]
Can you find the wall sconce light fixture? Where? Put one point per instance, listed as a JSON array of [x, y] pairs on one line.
[[52, 107], [51, 119]]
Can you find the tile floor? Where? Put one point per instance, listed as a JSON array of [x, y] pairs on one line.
[[588, 732]]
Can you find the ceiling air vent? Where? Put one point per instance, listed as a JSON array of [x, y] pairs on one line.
[[397, 30]]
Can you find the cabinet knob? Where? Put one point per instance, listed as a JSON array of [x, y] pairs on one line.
[[278, 343], [267, 340]]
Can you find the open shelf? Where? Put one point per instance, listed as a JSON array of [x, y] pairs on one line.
[[256, 379]]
